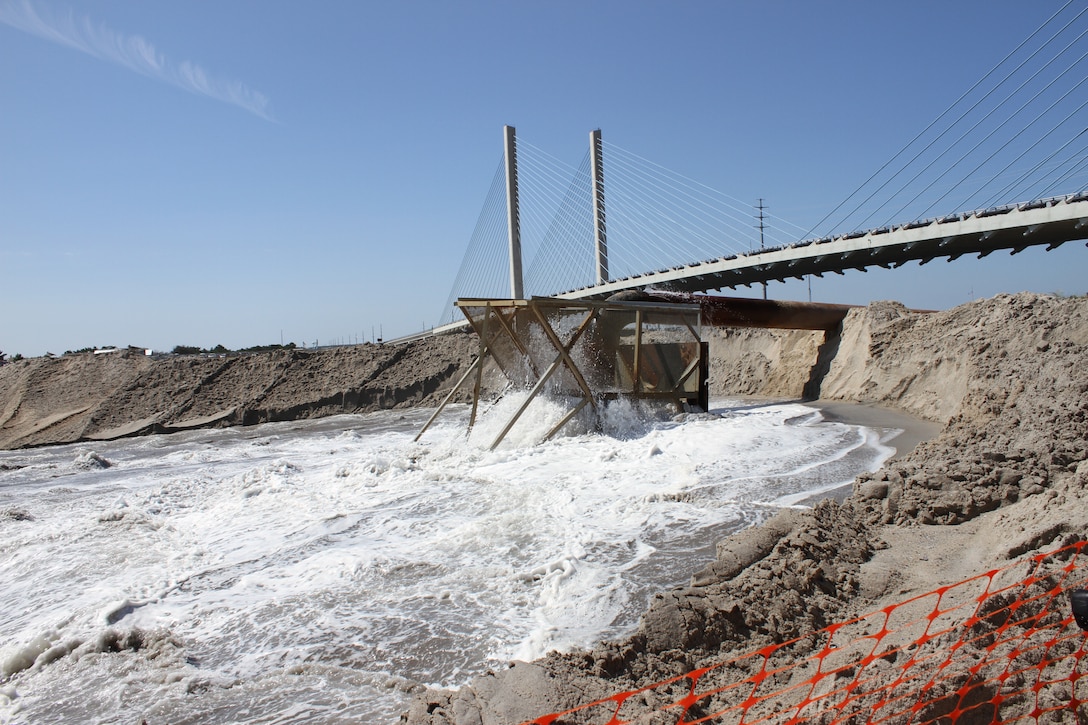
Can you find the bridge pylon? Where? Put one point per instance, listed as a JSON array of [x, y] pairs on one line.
[[513, 213], [599, 234]]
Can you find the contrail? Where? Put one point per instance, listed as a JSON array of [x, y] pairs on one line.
[[129, 51]]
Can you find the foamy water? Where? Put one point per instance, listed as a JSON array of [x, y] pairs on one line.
[[317, 571]]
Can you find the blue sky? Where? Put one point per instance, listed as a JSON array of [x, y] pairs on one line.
[[252, 172]]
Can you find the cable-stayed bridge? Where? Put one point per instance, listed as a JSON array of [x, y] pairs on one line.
[[1005, 167], [1051, 222]]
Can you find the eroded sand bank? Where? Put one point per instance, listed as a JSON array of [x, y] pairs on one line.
[[1006, 380]]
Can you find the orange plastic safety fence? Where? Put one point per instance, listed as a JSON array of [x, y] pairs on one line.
[[1000, 647]]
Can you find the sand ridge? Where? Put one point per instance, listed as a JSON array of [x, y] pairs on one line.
[[1007, 381], [66, 399]]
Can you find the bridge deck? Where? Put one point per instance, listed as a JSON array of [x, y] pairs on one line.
[[1050, 222]]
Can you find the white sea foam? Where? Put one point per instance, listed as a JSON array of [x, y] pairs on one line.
[[313, 571]]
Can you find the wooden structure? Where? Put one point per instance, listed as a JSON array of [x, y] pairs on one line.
[[588, 352]]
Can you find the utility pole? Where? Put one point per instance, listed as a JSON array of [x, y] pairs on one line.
[[761, 207]]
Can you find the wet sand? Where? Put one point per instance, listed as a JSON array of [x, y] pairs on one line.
[[914, 430]]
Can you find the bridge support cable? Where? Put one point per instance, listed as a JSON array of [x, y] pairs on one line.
[[482, 271], [699, 199], [665, 211], [1077, 169], [653, 222], [1055, 128], [1010, 189], [722, 224], [969, 132], [978, 144], [558, 222], [563, 258], [913, 143], [652, 228]]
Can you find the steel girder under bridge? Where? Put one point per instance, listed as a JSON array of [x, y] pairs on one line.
[[1050, 222]]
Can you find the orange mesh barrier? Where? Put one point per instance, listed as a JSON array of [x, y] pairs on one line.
[[1001, 647]]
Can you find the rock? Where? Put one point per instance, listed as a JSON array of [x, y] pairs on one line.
[[873, 490]]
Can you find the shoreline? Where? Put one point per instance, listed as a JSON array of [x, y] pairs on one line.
[[914, 430]]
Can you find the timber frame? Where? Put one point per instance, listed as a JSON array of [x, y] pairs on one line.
[[588, 352]]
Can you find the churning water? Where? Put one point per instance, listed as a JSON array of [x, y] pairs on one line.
[[316, 571]]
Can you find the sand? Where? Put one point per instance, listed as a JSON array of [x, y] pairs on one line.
[[996, 470], [45, 401], [1006, 382]]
